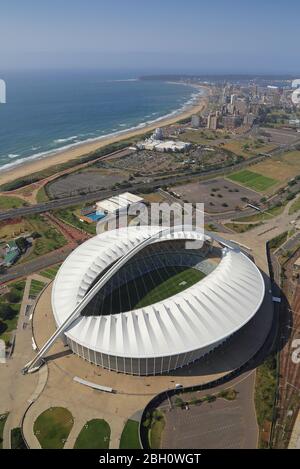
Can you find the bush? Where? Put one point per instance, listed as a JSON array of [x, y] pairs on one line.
[[6, 311], [178, 402], [13, 296]]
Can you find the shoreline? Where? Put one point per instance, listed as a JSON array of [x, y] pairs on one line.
[[73, 152]]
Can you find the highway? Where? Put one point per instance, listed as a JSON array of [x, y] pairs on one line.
[[91, 197]]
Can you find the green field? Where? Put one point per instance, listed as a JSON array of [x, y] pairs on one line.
[[94, 435], [145, 290], [130, 436], [7, 202], [35, 288], [53, 427], [10, 305], [254, 181], [51, 272], [171, 286]]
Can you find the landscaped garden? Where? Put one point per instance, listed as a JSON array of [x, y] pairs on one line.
[[35, 288]]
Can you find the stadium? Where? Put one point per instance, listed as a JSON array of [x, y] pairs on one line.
[[146, 301]]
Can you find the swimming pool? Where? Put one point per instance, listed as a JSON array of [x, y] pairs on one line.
[[96, 216]]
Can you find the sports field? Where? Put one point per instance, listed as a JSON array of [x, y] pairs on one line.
[[253, 180], [145, 290], [175, 284]]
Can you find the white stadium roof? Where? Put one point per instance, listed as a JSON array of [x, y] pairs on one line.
[[206, 313]]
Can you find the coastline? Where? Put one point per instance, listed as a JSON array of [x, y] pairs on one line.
[[78, 150]]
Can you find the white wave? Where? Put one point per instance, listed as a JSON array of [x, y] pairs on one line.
[[12, 156], [68, 139]]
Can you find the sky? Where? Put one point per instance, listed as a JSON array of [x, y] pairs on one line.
[[192, 36]]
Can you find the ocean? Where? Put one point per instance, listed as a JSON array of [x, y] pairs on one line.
[[47, 111]]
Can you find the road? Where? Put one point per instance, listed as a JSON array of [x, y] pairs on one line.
[[43, 262], [98, 195]]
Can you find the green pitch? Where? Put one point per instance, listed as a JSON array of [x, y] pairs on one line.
[[171, 286], [145, 290], [254, 181]]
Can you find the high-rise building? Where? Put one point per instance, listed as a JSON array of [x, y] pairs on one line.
[[233, 99], [196, 121], [212, 122]]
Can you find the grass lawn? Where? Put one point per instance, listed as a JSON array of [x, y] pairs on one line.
[[7, 202], [42, 196], [201, 136], [295, 207], [35, 288], [242, 227], [265, 389], [10, 305], [253, 180], [71, 215], [51, 272], [278, 240], [247, 147], [94, 435], [281, 168], [17, 441], [156, 430], [171, 286], [52, 427], [130, 436], [3, 419], [263, 216]]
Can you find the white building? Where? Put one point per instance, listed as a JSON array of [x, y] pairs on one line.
[[117, 203]]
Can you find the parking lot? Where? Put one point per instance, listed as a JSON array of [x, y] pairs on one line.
[[84, 181], [222, 424], [215, 194]]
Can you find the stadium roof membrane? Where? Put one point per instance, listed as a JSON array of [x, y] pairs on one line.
[[204, 314]]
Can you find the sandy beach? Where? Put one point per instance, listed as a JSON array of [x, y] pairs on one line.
[[64, 155]]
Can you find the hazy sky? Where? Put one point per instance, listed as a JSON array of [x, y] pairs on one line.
[[167, 35]]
